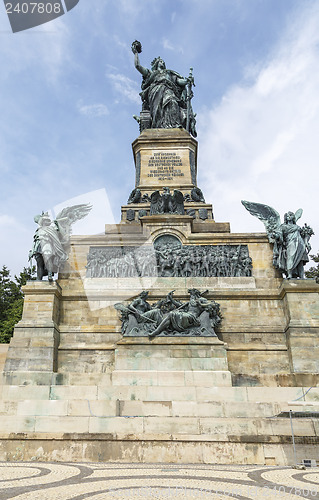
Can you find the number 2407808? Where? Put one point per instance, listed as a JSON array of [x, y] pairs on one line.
[[34, 8]]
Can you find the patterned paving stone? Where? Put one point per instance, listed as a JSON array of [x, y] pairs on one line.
[[77, 481]]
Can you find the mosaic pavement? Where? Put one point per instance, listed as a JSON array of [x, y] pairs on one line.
[[78, 481]]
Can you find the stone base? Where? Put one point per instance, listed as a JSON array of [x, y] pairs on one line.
[[3, 354], [36, 337], [156, 416], [187, 360], [70, 447], [75, 389], [169, 399]]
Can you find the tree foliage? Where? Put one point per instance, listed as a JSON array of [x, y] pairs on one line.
[[11, 300], [313, 272]]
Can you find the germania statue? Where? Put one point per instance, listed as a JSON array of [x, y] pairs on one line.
[[166, 96]]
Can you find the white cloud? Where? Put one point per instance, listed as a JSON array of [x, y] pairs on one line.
[[93, 109], [167, 44], [262, 139], [8, 220], [45, 45], [130, 9], [54, 52], [125, 86]]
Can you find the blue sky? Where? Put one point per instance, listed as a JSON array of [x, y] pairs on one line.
[[68, 90]]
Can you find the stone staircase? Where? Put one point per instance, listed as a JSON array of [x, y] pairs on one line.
[[169, 400], [153, 415]]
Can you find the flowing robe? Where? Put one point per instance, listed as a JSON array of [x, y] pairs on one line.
[[295, 247], [181, 320], [164, 97], [48, 244]]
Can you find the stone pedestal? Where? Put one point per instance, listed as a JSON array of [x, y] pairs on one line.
[[33, 348], [171, 361], [301, 300], [3, 355], [165, 157]]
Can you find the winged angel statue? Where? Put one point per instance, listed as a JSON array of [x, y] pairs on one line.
[[52, 239], [291, 242]]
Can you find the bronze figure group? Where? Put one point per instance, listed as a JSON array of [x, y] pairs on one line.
[[199, 316]]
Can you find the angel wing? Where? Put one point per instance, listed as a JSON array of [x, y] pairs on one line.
[[74, 213], [156, 203], [69, 216], [268, 215], [178, 202], [298, 214]]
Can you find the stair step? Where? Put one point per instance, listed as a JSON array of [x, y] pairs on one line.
[[198, 393], [181, 378], [159, 428], [112, 408]]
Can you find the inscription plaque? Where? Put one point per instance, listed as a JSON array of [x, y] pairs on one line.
[[165, 166]]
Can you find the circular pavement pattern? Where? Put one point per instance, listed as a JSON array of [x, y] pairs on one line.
[[79, 481]]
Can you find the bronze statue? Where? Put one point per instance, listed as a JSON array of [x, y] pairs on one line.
[[51, 239], [169, 316], [166, 95], [291, 242], [136, 197], [198, 314], [138, 317], [167, 203]]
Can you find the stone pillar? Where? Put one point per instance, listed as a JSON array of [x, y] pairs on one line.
[[165, 157], [34, 345], [301, 303]]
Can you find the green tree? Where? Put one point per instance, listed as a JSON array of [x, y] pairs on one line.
[[11, 300], [313, 272]]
